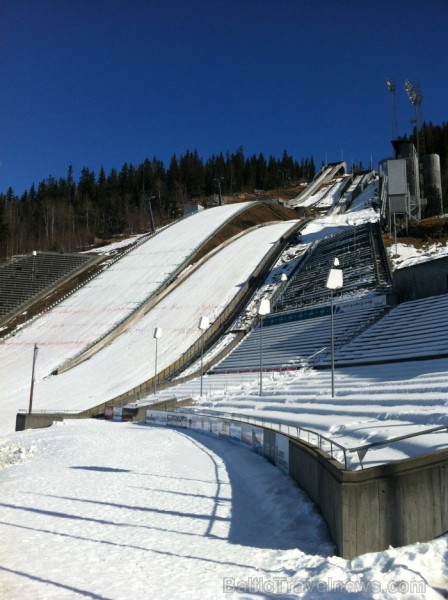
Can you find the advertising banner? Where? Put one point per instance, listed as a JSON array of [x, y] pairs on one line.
[[156, 417], [224, 428], [364, 303], [257, 439], [196, 422], [117, 413], [205, 424], [215, 426], [176, 420], [247, 436], [282, 452], [235, 432]]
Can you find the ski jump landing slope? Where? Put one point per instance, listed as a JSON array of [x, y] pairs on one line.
[[130, 358]]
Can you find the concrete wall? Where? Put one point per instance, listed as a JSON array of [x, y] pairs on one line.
[[421, 280], [39, 420], [366, 511]]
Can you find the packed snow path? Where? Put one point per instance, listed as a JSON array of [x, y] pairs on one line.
[[117, 511]]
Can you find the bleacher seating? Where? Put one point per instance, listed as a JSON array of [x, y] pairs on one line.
[[294, 331], [363, 266], [412, 330], [290, 343], [25, 277]]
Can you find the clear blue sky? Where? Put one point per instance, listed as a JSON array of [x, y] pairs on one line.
[[103, 82]]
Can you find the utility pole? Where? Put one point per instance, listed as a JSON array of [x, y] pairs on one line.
[[392, 87], [36, 350]]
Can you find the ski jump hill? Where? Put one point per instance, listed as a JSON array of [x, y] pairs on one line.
[[115, 302]]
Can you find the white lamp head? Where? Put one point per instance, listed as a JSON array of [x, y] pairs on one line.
[[335, 279], [265, 307], [204, 323]]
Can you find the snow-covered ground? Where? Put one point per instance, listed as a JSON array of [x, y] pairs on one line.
[[92, 509], [405, 255], [113, 247]]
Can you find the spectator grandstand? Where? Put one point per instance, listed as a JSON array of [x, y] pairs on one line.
[[292, 339], [360, 256], [25, 278], [412, 330], [297, 331]]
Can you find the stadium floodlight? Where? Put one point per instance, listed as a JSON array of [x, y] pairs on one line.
[[413, 92], [157, 335], [334, 282], [263, 309], [204, 324]]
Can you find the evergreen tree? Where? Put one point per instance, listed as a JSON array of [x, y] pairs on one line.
[[3, 226]]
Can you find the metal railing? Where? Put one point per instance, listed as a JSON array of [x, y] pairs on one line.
[[312, 437]]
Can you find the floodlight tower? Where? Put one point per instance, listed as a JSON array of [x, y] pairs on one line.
[[391, 86], [415, 97]]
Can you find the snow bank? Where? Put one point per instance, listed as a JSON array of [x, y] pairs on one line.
[[13, 454]]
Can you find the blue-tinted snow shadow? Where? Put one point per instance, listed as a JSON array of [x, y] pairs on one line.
[[81, 592], [103, 469], [258, 523]]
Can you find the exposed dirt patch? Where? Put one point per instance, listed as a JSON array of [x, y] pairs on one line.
[[422, 234]]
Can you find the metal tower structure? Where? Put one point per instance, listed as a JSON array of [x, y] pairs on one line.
[[415, 97], [391, 86]]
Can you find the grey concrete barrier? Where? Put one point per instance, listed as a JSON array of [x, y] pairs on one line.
[[44, 419], [394, 504]]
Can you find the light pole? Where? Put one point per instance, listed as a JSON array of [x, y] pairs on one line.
[[35, 352], [217, 181], [33, 265], [204, 324], [157, 335], [353, 223], [263, 309], [395, 234], [334, 282]]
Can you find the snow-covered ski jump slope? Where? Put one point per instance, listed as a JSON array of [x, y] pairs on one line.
[[129, 359]]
